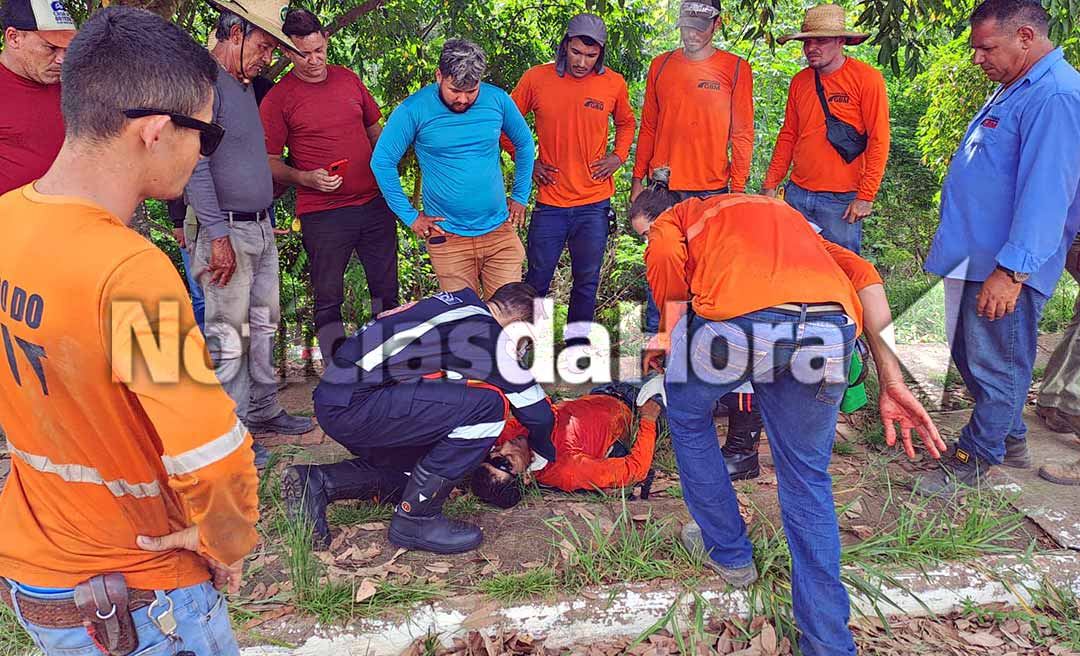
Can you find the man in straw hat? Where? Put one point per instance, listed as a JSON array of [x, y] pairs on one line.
[[833, 187], [36, 36], [699, 105], [236, 258]]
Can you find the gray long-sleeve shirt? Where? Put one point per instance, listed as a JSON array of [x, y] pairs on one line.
[[236, 178]]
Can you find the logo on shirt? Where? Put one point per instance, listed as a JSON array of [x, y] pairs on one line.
[[448, 298], [840, 98], [711, 85], [990, 122], [593, 103]]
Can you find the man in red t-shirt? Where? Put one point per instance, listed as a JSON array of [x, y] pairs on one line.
[[330, 123], [36, 36]]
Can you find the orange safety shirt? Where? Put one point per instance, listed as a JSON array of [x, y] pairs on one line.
[[731, 255], [688, 117], [95, 461], [856, 95], [571, 116], [585, 430]]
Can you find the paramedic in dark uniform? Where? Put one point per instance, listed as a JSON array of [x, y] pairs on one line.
[[432, 381]]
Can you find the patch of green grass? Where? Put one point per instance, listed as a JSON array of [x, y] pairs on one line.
[[392, 594], [1054, 618], [1038, 373], [14, 640], [358, 512], [843, 448], [675, 492], [628, 549], [463, 506], [918, 307], [509, 588], [874, 435], [1058, 311], [664, 455], [304, 569], [270, 482]]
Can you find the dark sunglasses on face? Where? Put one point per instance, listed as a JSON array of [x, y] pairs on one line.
[[502, 463], [210, 134]]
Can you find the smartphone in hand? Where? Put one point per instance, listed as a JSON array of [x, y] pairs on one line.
[[339, 167]]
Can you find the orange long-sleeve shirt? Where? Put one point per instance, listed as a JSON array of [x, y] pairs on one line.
[[856, 95], [585, 429], [95, 461], [688, 116], [731, 255], [571, 117]]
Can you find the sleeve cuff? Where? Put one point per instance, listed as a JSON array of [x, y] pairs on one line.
[[409, 218], [1017, 259], [218, 230]]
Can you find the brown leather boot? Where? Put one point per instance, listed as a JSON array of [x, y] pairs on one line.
[[1066, 474], [1058, 421]]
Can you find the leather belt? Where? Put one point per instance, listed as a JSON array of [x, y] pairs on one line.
[[811, 308], [247, 216], [62, 613]]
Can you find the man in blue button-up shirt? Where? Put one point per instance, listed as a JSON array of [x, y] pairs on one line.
[[1010, 208]]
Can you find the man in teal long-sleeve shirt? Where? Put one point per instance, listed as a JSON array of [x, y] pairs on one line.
[[468, 222]]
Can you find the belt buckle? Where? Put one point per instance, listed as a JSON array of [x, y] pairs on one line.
[[166, 622]]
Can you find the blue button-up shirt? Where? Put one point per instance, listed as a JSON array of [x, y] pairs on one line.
[[1012, 193]]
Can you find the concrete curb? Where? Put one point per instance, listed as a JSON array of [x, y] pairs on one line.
[[637, 607]]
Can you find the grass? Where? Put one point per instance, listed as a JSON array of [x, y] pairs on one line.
[[1052, 618], [664, 455], [463, 507], [360, 512], [510, 588], [14, 640], [918, 307], [843, 448], [626, 550], [1058, 311]]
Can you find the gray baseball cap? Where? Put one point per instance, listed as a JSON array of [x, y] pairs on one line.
[[698, 15], [589, 25]]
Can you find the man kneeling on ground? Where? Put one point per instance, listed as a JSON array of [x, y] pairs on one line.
[[423, 388]]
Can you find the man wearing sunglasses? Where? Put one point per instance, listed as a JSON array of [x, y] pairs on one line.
[[36, 37], [122, 461], [236, 257]]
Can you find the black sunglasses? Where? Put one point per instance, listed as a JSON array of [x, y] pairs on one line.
[[502, 463], [210, 134]]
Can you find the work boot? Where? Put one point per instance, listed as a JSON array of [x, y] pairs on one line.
[[282, 424], [1062, 474], [692, 540], [1056, 420], [307, 490], [418, 522], [1016, 453], [741, 454], [956, 471]]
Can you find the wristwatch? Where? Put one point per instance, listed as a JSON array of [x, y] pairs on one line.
[[1016, 276]]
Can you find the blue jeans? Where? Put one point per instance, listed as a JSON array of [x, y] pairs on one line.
[[652, 312], [799, 371], [201, 614], [584, 230], [198, 302], [826, 210], [995, 359]]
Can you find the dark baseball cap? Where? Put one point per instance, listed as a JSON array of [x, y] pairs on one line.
[[48, 18], [698, 14]]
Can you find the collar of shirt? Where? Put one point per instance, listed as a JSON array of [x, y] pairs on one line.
[[1041, 68]]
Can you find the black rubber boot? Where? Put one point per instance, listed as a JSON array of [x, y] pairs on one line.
[[418, 522], [308, 489], [741, 448]]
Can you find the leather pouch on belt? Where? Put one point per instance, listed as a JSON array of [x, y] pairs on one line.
[[103, 603]]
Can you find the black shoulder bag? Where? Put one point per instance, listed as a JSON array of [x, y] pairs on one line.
[[848, 142]]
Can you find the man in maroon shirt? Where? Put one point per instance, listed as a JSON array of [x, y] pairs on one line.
[[36, 35], [325, 115]]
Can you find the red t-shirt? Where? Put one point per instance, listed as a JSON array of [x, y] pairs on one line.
[[321, 123], [31, 129]]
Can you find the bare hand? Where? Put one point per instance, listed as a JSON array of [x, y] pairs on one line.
[[858, 210], [769, 193], [635, 189], [898, 404], [425, 226], [517, 213], [222, 262], [227, 577], [321, 180], [544, 174], [650, 411], [653, 360], [998, 295], [604, 168], [178, 235]]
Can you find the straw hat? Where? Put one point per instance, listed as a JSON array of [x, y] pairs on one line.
[[267, 15], [825, 21]]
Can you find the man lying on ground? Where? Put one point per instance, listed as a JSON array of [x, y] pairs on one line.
[[422, 389], [595, 446]]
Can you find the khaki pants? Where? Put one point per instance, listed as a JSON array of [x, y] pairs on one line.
[[1061, 386], [488, 261]]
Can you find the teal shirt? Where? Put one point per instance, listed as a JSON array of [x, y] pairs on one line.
[[459, 156]]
